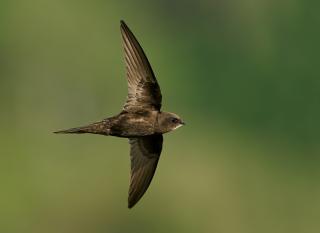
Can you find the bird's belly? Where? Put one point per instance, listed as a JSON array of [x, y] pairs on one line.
[[132, 128]]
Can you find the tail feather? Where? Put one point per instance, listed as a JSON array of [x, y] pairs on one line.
[[72, 130], [95, 128]]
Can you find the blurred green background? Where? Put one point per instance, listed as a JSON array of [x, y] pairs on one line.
[[244, 75]]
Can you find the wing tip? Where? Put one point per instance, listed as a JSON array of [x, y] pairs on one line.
[[132, 201], [123, 24], [130, 205]]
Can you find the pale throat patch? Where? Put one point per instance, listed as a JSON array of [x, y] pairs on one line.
[[177, 126]]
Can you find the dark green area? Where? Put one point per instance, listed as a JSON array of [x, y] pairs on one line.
[[244, 75]]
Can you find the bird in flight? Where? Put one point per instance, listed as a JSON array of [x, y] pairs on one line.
[[141, 120]]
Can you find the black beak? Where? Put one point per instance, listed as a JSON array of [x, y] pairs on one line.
[[183, 123]]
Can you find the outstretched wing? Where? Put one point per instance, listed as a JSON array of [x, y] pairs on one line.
[[144, 155], [143, 88]]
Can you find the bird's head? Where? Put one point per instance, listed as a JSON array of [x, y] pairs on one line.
[[168, 121]]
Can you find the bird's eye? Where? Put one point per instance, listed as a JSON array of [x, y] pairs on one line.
[[174, 120]]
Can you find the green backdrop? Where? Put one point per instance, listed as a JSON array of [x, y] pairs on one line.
[[244, 75]]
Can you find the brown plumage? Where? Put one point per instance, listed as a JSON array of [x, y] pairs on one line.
[[140, 120]]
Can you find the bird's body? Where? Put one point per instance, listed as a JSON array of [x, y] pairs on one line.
[[140, 120], [137, 124], [125, 124], [129, 125]]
